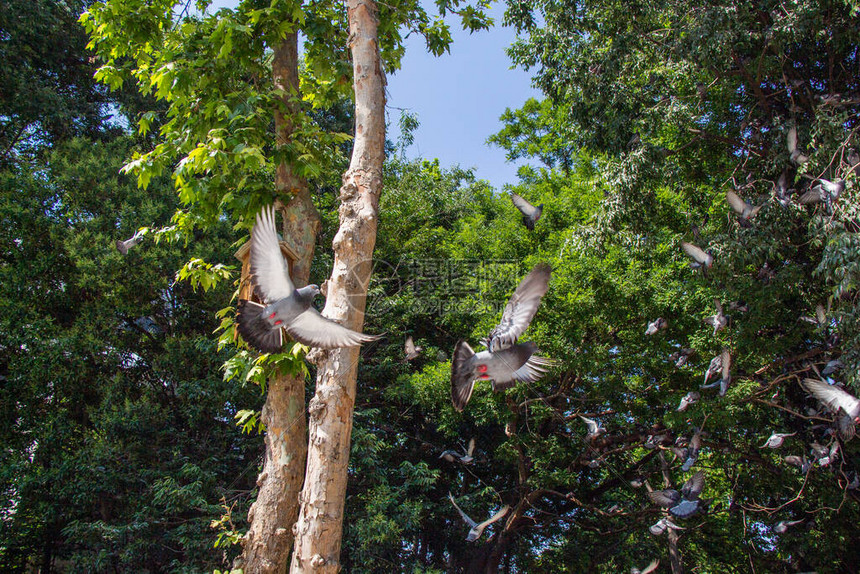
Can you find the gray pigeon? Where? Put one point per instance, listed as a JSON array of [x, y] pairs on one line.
[[800, 462], [741, 207], [530, 213], [834, 398], [594, 428], [656, 325], [285, 306], [781, 189], [700, 258], [648, 569], [825, 192], [412, 352], [687, 400], [681, 357], [831, 367], [124, 246], [718, 320], [662, 525], [797, 157], [776, 439], [782, 526], [726, 364], [845, 426], [464, 458], [505, 362], [478, 529], [831, 456], [685, 503], [692, 451], [714, 367]]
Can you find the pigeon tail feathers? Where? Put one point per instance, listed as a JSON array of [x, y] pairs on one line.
[[254, 328]]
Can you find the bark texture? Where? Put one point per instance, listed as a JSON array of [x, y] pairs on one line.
[[269, 539], [320, 525]]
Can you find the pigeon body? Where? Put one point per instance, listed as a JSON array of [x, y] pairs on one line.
[[745, 210], [700, 258], [411, 351], [834, 398], [263, 325], [681, 357], [690, 398], [530, 213], [825, 192], [662, 525], [776, 439], [464, 458], [718, 319], [692, 454], [656, 325], [685, 503], [783, 525], [478, 529]]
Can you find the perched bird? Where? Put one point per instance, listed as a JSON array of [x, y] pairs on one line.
[[285, 306], [505, 362], [656, 325], [687, 400], [530, 213], [124, 246], [685, 503], [478, 529], [718, 320], [412, 352], [834, 398], [465, 458], [594, 428], [700, 258], [776, 439], [825, 192], [681, 357], [782, 526], [648, 569], [662, 525], [741, 207]]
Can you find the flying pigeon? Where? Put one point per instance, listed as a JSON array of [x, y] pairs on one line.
[[505, 361], [681, 357], [687, 400], [776, 439], [530, 213], [662, 525], [465, 458], [478, 529], [681, 504], [412, 352], [846, 428], [782, 526], [834, 398], [741, 207], [124, 246], [692, 451], [781, 189], [800, 462], [718, 320], [726, 363], [285, 306], [656, 325], [825, 192], [830, 456], [700, 257], [648, 569], [594, 428]]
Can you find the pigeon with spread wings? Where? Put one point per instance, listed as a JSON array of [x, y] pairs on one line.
[[530, 213], [285, 307], [478, 529], [505, 362]]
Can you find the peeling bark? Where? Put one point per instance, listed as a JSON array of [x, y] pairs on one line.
[[269, 539], [319, 528]]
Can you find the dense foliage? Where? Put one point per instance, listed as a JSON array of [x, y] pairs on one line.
[[119, 440]]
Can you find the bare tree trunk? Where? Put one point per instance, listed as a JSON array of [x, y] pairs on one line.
[[269, 539], [320, 525]]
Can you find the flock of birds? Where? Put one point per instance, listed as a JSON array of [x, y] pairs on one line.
[[506, 361]]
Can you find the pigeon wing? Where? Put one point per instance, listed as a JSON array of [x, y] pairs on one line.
[[694, 486], [462, 375], [498, 515], [409, 346], [651, 567], [268, 267], [735, 202], [697, 253], [254, 328], [521, 308], [592, 426], [524, 206], [665, 498], [834, 397], [463, 515], [314, 330]]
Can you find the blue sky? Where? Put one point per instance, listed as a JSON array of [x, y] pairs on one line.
[[458, 97]]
